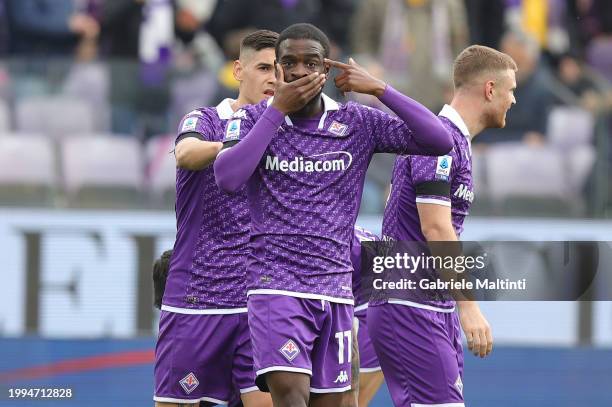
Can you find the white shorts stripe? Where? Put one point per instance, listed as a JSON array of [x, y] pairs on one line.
[[369, 369], [439, 405], [211, 311], [333, 390], [249, 389], [421, 306], [361, 307], [301, 295], [283, 369], [187, 401]]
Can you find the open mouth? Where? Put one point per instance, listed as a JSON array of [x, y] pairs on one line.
[[269, 92]]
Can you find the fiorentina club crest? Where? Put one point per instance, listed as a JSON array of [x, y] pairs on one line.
[[289, 350], [337, 128], [189, 383]]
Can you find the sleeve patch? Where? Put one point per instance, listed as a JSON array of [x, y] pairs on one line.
[[189, 124], [443, 167], [233, 130]]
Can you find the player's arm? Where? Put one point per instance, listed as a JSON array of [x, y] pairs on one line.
[[240, 155], [437, 226], [426, 131], [193, 153]]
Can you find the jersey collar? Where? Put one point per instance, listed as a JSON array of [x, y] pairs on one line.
[[328, 105], [224, 109], [453, 115]]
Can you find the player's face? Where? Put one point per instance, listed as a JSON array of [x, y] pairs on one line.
[[299, 58], [256, 75], [503, 99]]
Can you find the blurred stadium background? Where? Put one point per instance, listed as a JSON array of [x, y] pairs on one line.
[[91, 92]]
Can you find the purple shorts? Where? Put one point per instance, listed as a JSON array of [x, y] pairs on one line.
[[203, 357], [420, 353], [302, 335], [368, 361]]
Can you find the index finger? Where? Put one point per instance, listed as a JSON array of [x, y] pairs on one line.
[[336, 64], [279, 73]]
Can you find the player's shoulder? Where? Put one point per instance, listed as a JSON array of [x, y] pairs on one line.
[[205, 112], [251, 111]]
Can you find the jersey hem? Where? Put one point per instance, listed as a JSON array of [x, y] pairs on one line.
[[206, 311], [301, 295]]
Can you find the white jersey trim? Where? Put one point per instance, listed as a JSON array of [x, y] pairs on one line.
[[189, 401], [213, 311], [283, 369], [369, 369], [433, 201], [334, 390], [361, 307], [421, 306], [439, 405], [249, 389], [265, 291]]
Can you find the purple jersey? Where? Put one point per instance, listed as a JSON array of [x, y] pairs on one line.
[[207, 269], [360, 292], [444, 180], [305, 194]]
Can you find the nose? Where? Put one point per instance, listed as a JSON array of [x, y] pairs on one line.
[[299, 71]]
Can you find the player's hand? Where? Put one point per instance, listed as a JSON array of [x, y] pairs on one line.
[[355, 78], [476, 328], [291, 97]]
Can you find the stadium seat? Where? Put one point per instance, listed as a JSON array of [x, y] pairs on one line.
[[5, 117], [482, 204], [90, 82], [569, 127], [161, 171], [28, 174], [102, 171], [54, 115], [529, 181]]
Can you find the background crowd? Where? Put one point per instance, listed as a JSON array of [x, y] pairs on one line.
[[91, 91]]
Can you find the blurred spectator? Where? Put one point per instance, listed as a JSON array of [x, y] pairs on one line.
[[48, 27], [585, 89], [232, 16], [485, 21], [135, 38], [415, 42], [534, 93]]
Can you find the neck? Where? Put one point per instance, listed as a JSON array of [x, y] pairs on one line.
[[470, 112], [238, 103], [312, 108]]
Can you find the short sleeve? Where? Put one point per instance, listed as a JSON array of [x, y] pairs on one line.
[[431, 177], [196, 124]]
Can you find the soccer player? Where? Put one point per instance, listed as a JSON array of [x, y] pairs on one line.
[[419, 343], [370, 372], [203, 351], [303, 157]]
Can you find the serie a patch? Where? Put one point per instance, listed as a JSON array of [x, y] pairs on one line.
[[233, 130], [443, 167], [189, 124]]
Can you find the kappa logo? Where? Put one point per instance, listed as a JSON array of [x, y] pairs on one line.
[[189, 383], [337, 128], [342, 377], [290, 350]]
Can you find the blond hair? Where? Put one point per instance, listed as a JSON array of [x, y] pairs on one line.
[[476, 59]]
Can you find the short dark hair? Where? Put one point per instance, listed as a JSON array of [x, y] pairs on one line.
[[258, 40], [304, 31], [477, 59]]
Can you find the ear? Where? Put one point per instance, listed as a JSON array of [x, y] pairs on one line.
[[489, 90], [237, 70], [327, 69]]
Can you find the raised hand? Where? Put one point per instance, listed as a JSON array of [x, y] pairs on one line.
[[290, 97], [355, 78]]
